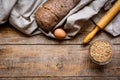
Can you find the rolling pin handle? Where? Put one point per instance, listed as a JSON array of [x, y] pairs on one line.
[[89, 37]]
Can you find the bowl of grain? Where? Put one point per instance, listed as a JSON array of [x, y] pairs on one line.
[[101, 52]]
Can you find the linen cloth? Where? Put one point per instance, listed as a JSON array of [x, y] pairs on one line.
[[21, 14]]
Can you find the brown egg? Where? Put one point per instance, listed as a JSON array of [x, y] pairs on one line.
[[60, 33]]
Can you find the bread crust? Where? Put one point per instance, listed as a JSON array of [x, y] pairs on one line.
[[52, 12], [46, 19]]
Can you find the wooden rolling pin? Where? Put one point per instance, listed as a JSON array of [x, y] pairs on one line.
[[102, 23]]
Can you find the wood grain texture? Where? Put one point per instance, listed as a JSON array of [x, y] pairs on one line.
[[53, 60], [42, 58], [9, 35], [65, 78]]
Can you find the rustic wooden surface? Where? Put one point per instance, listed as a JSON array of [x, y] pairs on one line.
[[41, 58]]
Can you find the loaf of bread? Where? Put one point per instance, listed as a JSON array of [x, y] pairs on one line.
[[53, 11]]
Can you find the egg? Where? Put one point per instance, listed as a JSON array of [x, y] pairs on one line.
[[59, 33]]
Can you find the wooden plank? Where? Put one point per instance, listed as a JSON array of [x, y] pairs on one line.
[[65, 78], [9, 35], [53, 60]]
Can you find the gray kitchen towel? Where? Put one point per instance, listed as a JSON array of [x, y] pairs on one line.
[[20, 14], [5, 9]]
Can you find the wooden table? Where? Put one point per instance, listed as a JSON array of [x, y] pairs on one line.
[[41, 58]]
